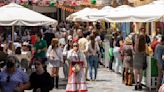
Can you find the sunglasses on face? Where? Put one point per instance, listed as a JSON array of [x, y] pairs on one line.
[[75, 45], [8, 79]]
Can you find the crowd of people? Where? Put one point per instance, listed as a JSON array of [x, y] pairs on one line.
[[33, 61]]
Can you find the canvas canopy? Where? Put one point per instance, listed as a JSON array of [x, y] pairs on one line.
[[16, 15], [82, 15], [120, 14], [100, 14], [146, 13]]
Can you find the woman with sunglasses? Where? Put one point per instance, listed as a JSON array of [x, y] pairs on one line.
[[40, 80], [13, 79], [76, 78]]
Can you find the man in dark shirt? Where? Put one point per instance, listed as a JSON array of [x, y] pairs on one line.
[[48, 37], [40, 80], [147, 38]]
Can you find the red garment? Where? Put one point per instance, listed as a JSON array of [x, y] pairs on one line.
[[76, 82], [75, 40], [33, 39], [154, 44]]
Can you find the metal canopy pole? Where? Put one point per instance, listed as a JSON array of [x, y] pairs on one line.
[[13, 27]]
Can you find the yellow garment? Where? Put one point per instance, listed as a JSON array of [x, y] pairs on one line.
[[149, 50], [103, 24]]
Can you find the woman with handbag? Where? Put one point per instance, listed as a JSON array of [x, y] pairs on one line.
[[76, 78], [55, 58]]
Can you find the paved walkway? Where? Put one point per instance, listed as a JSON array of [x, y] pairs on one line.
[[106, 82]]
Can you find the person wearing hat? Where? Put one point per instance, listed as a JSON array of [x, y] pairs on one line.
[[76, 78], [40, 80], [127, 51], [55, 58]]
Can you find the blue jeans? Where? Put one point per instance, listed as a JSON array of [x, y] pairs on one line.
[[117, 55], [93, 62]]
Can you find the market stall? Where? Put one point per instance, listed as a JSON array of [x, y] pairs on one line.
[[16, 15]]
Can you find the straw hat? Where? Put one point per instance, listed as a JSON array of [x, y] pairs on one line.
[[128, 41]]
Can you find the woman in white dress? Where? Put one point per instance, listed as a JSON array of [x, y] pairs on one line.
[[55, 58], [76, 78]]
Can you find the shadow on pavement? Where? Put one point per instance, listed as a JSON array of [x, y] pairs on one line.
[[103, 80]]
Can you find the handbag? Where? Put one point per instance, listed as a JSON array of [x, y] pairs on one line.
[[76, 67]]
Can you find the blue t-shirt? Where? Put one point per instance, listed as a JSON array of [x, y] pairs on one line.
[[159, 51], [10, 81]]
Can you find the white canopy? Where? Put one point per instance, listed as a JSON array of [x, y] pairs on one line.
[[16, 15], [120, 14], [145, 13], [107, 8], [148, 13], [82, 15], [100, 14], [158, 2]]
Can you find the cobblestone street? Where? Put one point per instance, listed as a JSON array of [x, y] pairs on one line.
[[106, 82]]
